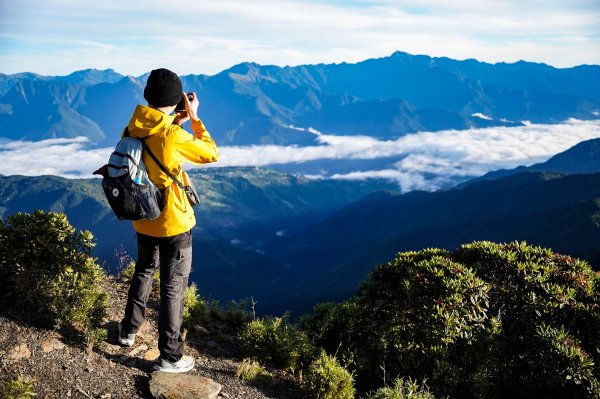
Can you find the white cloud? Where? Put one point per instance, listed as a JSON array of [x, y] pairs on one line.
[[60, 157], [429, 160], [424, 161], [59, 36]]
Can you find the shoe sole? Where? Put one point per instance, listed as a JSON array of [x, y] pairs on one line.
[[173, 370]]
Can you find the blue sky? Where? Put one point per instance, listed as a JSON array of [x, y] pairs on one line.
[[56, 37]]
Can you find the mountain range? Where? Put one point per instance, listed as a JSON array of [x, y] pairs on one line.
[[291, 242], [255, 104], [242, 209]]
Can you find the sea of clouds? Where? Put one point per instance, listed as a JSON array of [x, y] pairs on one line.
[[419, 161]]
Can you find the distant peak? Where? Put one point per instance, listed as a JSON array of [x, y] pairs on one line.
[[243, 68]]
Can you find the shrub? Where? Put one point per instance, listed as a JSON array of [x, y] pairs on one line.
[[403, 389], [488, 320], [49, 271], [197, 310], [18, 388], [275, 342], [250, 370], [326, 379], [127, 271]]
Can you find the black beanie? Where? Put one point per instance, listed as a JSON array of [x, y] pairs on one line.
[[163, 88]]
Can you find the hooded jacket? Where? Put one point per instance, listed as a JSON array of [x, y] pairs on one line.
[[172, 145]]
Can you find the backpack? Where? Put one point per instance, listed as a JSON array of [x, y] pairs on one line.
[[129, 191]]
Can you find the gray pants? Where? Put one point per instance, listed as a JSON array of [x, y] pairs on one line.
[[174, 257]]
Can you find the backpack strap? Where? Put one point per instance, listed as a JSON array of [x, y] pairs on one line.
[[160, 165]]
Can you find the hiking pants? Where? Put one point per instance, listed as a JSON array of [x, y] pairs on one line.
[[173, 255]]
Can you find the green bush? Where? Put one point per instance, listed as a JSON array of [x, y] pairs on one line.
[[251, 370], [326, 379], [488, 320], [49, 273], [197, 310], [275, 342], [403, 389], [18, 388]]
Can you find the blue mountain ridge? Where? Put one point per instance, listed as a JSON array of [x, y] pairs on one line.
[[253, 104], [291, 242]]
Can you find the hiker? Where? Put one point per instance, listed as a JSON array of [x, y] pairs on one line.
[[166, 242]]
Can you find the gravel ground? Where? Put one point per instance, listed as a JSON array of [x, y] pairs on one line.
[[62, 368]]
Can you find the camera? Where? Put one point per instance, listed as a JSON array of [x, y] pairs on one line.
[[181, 104]]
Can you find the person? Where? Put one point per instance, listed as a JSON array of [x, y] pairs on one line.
[[166, 242]]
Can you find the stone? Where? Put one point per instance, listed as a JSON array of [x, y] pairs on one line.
[[19, 353], [137, 350], [182, 386], [50, 344], [152, 355], [199, 330]]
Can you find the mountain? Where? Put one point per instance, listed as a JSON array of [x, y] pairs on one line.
[[581, 158], [329, 259], [255, 104], [242, 209]]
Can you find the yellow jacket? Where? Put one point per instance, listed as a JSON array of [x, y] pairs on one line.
[[172, 145]]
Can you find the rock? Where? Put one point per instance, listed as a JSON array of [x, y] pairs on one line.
[[152, 355], [51, 344], [182, 386], [19, 353], [146, 327], [199, 330], [137, 350]]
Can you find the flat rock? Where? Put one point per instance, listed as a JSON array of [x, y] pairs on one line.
[[152, 354], [19, 353], [182, 386], [51, 344], [141, 348], [199, 330]]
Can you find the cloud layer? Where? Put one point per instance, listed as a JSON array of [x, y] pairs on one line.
[[425, 161], [60, 36]]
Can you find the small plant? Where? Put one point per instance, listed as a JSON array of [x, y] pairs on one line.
[[94, 338], [18, 388], [275, 342], [327, 379], [127, 271], [124, 261], [250, 370], [195, 309], [50, 274], [403, 389]]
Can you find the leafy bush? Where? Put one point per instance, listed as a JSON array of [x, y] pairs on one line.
[[49, 272], [488, 320], [18, 388], [275, 342], [251, 370], [197, 310], [127, 271], [403, 389], [326, 379]]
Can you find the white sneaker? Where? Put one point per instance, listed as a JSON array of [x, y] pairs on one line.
[[126, 339], [183, 365]]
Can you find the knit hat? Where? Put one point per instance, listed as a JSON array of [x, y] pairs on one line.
[[163, 88]]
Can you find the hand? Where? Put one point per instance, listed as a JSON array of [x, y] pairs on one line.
[[181, 117], [191, 106]]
